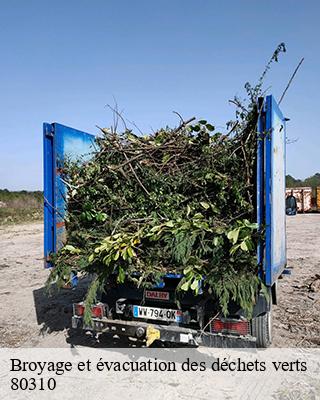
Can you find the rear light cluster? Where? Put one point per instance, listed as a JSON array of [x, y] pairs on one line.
[[238, 327], [78, 309], [97, 311]]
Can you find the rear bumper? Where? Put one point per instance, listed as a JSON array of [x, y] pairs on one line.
[[166, 333]]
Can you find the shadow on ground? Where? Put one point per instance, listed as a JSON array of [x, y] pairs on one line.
[[54, 313]]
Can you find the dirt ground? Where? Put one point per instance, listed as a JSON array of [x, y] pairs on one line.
[[29, 318], [296, 318]]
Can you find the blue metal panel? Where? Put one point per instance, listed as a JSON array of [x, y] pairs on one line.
[[275, 218], [48, 179], [71, 144], [60, 143], [260, 185]]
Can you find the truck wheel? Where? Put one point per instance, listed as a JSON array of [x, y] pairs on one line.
[[261, 328]]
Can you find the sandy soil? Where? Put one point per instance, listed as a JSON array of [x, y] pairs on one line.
[[30, 318], [296, 318]]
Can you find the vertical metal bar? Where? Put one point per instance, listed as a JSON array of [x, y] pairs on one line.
[[48, 191], [268, 188], [260, 188]]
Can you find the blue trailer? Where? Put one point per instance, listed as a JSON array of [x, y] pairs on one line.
[[150, 314]]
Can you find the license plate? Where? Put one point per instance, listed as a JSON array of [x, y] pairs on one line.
[[163, 314], [156, 295]]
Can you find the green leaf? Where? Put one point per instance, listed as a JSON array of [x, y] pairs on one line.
[[166, 158], [214, 208], [91, 258], [233, 235], [121, 275], [132, 137], [195, 284], [205, 205], [156, 229], [187, 270], [198, 216], [185, 286], [131, 252], [209, 176], [124, 253], [202, 121], [71, 249], [249, 243], [196, 128], [169, 224], [244, 246], [88, 215], [106, 260], [234, 249], [210, 127], [101, 217], [251, 225]]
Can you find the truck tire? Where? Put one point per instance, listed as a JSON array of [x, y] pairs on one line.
[[261, 329]]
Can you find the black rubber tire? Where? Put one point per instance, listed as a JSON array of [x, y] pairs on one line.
[[261, 328]]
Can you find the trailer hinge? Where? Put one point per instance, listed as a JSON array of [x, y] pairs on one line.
[[49, 130]]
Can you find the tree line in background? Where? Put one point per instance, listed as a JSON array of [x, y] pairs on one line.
[[312, 181]]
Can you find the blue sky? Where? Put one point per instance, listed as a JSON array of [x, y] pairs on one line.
[[64, 61]]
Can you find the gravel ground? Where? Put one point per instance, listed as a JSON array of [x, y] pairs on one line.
[[31, 319]]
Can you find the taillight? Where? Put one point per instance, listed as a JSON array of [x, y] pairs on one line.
[[97, 311], [240, 327], [78, 309]]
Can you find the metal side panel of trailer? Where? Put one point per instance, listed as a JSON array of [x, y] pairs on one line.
[[271, 172], [60, 143]]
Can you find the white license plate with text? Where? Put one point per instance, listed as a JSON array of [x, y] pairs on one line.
[[162, 314]]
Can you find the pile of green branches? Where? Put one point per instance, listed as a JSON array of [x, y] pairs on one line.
[[179, 200]]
